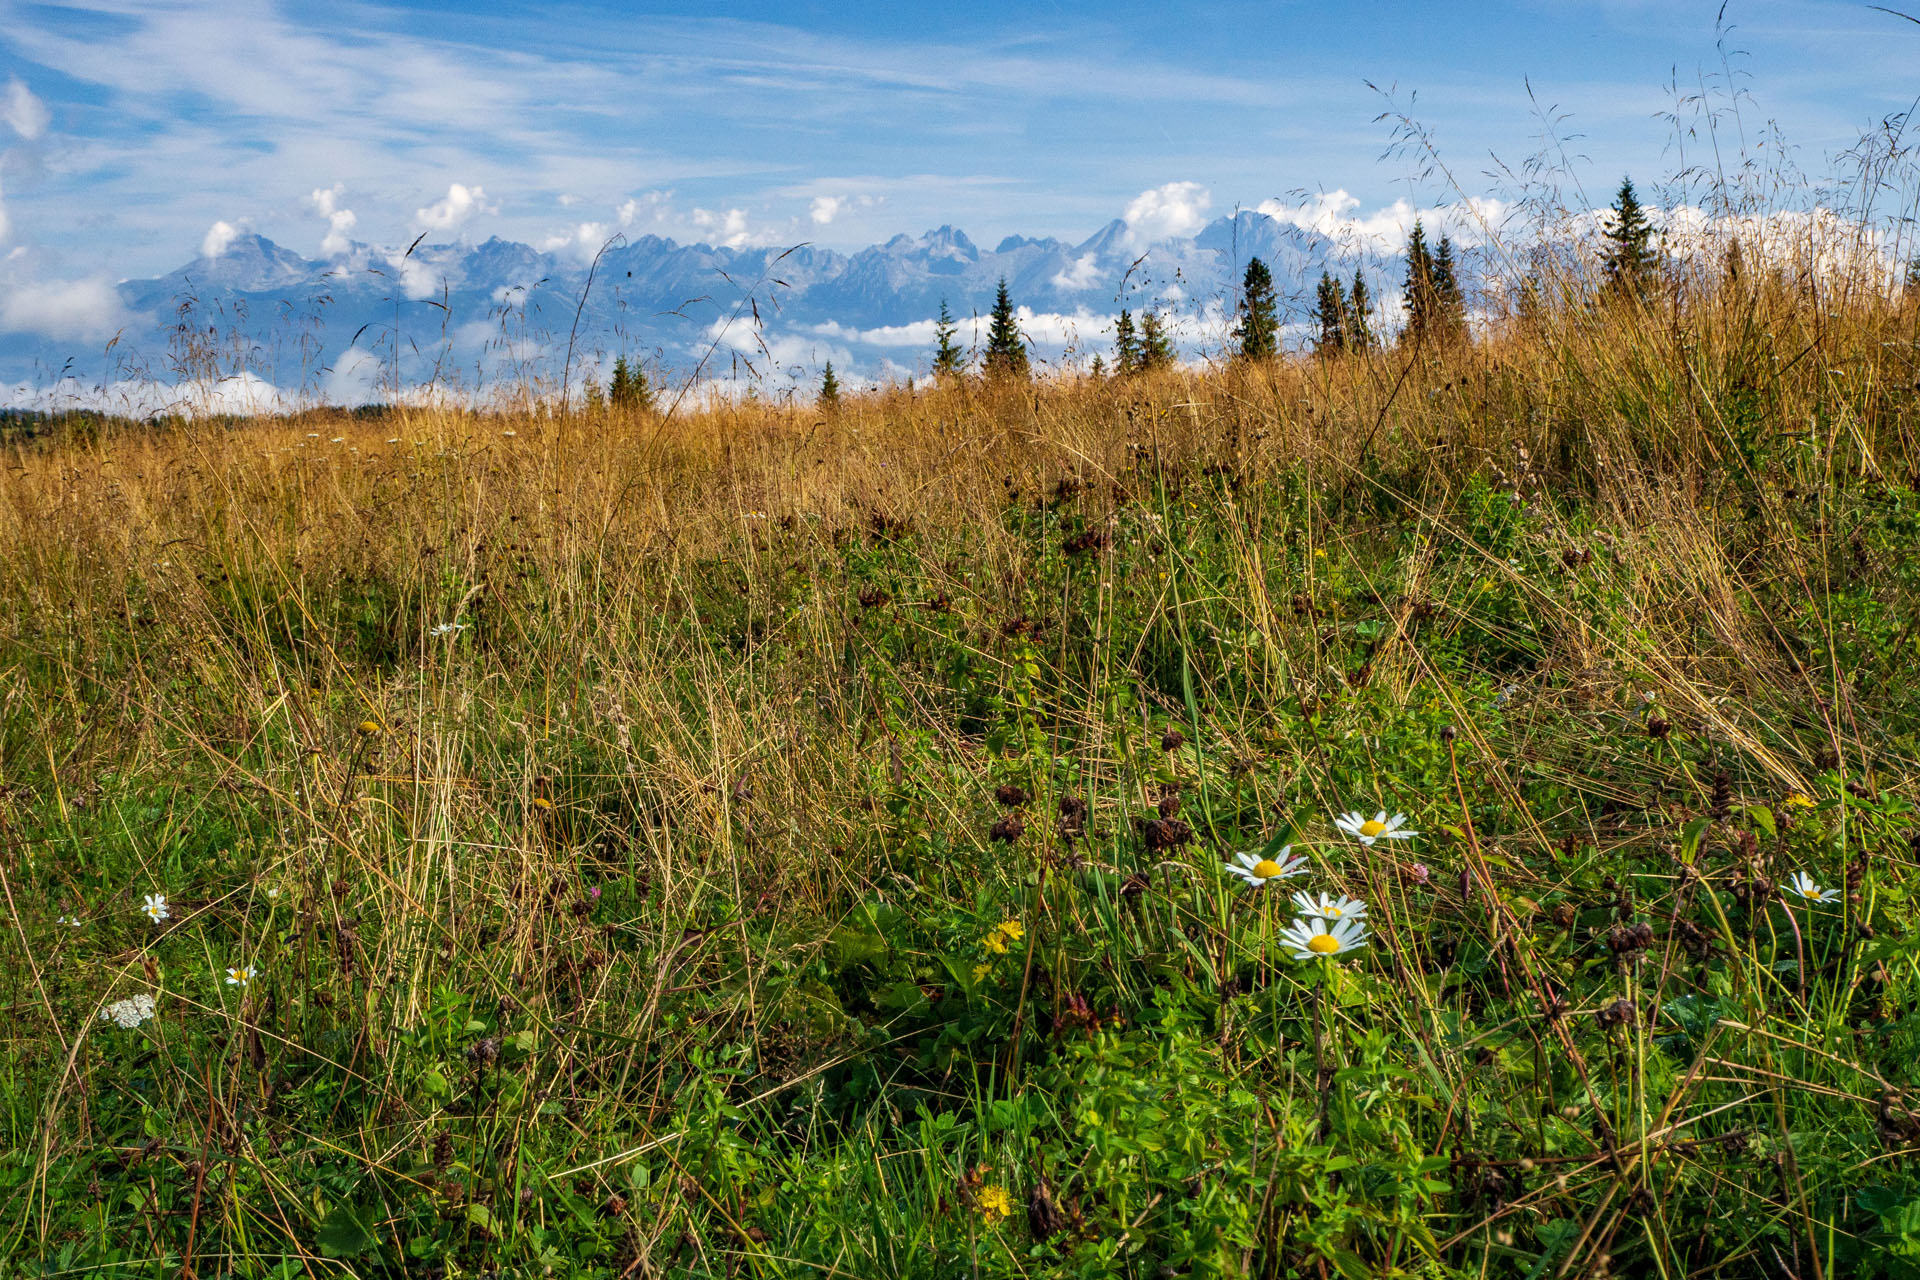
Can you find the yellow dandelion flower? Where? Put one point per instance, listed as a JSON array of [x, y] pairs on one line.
[[541, 802], [370, 727], [1799, 800]]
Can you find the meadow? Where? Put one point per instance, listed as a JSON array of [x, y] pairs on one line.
[[768, 842]]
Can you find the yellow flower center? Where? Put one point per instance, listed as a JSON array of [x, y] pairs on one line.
[[1323, 944], [1333, 913], [1266, 868], [1372, 827]]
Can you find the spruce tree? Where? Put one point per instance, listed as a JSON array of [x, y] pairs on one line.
[[1630, 262], [1006, 352], [1258, 329], [1450, 304], [1330, 314], [1422, 305], [1099, 366], [1156, 348], [1126, 346], [1359, 316], [829, 389], [629, 389], [949, 361]]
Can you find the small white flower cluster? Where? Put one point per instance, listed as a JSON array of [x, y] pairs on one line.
[[447, 629], [128, 1013], [1329, 924]]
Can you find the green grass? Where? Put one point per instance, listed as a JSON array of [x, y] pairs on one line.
[[650, 924]]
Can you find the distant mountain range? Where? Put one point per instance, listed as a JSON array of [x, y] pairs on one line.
[[500, 313]]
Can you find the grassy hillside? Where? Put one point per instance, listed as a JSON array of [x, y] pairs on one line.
[[760, 844]]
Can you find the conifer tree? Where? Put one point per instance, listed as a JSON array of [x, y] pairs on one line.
[[1156, 348], [1099, 366], [1359, 316], [1450, 304], [1630, 262], [829, 389], [1422, 305], [1330, 314], [629, 389], [1006, 351], [1126, 346], [949, 361], [1258, 329]]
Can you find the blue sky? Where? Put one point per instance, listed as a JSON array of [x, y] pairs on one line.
[[131, 130]]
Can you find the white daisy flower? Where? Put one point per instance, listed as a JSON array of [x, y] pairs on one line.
[[1379, 827], [1802, 883], [1329, 906], [128, 1013], [72, 922], [155, 907], [1310, 938], [447, 628], [241, 976], [1257, 871]]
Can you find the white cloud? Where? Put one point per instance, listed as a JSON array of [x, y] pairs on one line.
[[728, 229], [1082, 273], [582, 242], [825, 209], [417, 278], [1167, 212], [648, 205], [1385, 231], [3, 219], [64, 310], [325, 201], [918, 333], [218, 237], [25, 114], [567, 199], [460, 203]]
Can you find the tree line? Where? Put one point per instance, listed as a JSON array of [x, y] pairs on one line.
[[1341, 321]]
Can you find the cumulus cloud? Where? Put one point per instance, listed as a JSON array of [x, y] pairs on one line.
[[825, 209], [417, 278], [1335, 215], [582, 241], [648, 206], [728, 229], [25, 114], [218, 237], [460, 203], [917, 333], [1167, 212], [64, 310], [1082, 273], [325, 201]]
